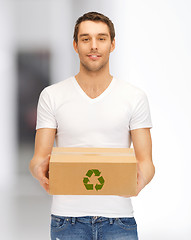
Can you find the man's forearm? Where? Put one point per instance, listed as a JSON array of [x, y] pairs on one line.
[[33, 167]]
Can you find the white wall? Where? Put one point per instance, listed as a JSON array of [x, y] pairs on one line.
[[32, 23], [61, 27], [8, 97]]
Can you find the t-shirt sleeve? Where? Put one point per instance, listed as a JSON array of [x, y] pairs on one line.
[[141, 117], [45, 112]]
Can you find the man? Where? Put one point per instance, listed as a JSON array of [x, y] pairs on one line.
[[93, 109]]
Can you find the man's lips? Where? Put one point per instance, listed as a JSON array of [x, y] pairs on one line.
[[94, 56]]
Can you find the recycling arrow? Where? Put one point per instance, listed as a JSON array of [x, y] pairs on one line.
[[100, 179], [99, 186], [88, 186]]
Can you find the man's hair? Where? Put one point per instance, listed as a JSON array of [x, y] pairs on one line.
[[96, 17]]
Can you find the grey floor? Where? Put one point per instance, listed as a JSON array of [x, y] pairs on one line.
[[25, 206], [25, 212]]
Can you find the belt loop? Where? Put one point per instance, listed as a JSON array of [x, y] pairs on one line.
[[111, 220], [73, 220]]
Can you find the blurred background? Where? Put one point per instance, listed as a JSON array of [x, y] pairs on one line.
[[153, 52]]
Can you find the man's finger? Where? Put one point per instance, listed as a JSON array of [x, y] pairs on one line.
[[45, 186], [45, 180]]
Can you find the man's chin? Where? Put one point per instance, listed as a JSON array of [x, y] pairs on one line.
[[92, 68]]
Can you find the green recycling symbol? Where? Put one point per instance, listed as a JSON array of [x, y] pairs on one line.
[[100, 179]]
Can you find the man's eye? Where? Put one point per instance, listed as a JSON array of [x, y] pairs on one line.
[[85, 39], [102, 39]]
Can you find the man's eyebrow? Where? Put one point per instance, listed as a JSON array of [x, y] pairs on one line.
[[103, 34], [100, 34], [84, 34]]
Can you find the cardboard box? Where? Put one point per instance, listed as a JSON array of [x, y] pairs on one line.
[[93, 171]]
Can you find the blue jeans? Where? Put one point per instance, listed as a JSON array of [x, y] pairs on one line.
[[93, 228]]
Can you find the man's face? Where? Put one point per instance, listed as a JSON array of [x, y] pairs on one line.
[[94, 45]]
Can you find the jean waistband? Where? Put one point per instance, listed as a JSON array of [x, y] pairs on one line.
[[86, 219]]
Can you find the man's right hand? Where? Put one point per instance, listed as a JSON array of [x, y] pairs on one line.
[[39, 165], [41, 173]]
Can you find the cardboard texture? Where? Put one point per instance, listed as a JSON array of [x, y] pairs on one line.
[[93, 171]]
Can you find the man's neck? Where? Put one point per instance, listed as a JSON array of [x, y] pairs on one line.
[[93, 80]]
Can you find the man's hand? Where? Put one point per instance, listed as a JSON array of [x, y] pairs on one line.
[[39, 165], [41, 173]]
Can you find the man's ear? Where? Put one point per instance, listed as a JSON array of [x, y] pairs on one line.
[[75, 46], [112, 45]]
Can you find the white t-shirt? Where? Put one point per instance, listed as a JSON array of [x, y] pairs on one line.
[[102, 122]]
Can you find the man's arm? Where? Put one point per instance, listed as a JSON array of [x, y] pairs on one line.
[[39, 164], [142, 143]]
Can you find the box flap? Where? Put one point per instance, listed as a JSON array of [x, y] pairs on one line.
[[119, 155], [81, 149]]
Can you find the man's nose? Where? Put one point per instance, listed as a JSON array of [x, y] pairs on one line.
[[94, 44]]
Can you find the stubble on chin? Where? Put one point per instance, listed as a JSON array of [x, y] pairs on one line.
[[93, 69]]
